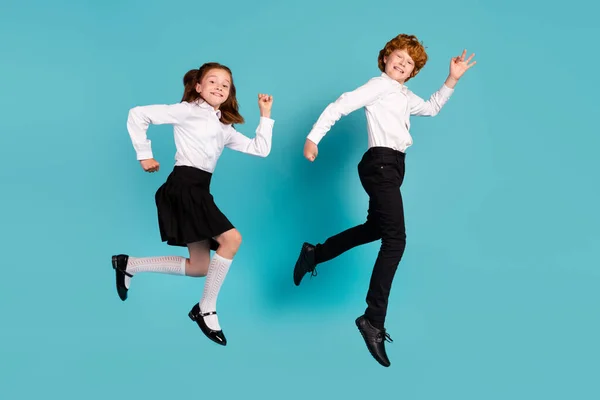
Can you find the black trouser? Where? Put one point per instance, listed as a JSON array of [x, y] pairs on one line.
[[381, 173]]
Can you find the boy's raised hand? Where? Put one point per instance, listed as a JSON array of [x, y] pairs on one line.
[[458, 65]]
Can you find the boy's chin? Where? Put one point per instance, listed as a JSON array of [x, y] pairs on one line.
[[396, 77]]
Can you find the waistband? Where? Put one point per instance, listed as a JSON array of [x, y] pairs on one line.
[[385, 154], [191, 176]]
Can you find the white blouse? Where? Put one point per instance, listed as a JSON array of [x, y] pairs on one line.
[[199, 134]]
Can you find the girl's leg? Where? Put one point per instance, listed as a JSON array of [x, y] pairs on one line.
[[229, 243], [197, 264], [127, 267], [170, 265]]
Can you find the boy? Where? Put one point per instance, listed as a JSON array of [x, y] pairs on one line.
[[388, 106]]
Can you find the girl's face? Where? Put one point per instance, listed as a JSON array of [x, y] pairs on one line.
[[399, 65], [214, 87]]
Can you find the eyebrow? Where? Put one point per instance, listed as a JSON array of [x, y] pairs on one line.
[[409, 57], [215, 76]]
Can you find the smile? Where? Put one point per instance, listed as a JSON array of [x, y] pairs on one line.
[[399, 69], [216, 94]]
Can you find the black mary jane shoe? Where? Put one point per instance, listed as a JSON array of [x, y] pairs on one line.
[[197, 316], [119, 264], [374, 339]]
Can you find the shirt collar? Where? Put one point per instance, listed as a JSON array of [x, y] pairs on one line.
[[203, 104], [403, 88]]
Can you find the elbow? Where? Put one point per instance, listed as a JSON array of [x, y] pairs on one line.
[[133, 114], [432, 112], [258, 150], [436, 108], [263, 147], [265, 153]]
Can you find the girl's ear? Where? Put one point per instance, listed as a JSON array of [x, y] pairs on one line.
[[198, 87]]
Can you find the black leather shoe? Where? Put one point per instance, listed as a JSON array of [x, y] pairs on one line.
[[119, 264], [216, 336], [305, 263], [375, 340]]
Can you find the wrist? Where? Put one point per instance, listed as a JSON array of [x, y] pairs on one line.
[[265, 114], [451, 81]]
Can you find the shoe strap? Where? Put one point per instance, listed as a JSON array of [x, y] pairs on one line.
[[208, 313], [123, 272]]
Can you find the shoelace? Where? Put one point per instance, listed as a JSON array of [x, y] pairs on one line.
[[385, 336]]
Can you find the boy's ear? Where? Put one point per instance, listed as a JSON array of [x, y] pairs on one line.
[[385, 58]]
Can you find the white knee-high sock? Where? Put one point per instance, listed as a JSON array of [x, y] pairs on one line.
[[171, 265], [217, 270]]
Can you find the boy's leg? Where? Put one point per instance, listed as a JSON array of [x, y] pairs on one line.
[[393, 242], [382, 175], [311, 255], [346, 240]]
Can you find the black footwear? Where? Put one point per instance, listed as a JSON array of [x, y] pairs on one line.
[[216, 336], [305, 263], [119, 264], [375, 339]]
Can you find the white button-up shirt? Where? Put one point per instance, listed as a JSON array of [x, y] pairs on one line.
[[388, 107], [199, 134]]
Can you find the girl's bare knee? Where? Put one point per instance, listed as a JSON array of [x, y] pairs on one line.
[[231, 240], [236, 239]]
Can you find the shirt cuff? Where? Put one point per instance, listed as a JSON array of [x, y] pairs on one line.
[[446, 91], [267, 120], [144, 155], [315, 137]]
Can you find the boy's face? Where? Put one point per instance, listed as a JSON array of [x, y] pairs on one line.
[[399, 65]]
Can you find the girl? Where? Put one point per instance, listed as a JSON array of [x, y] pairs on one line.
[[187, 214]]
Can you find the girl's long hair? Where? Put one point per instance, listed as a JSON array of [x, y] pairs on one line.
[[229, 109]]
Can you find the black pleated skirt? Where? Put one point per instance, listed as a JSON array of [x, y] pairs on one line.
[[187, 212]]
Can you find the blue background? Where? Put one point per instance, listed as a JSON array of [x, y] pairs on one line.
[[497, 295]]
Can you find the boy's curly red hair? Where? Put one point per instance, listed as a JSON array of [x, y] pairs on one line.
[[413, 47]]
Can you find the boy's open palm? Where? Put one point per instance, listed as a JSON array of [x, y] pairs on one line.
[[458, 65]]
